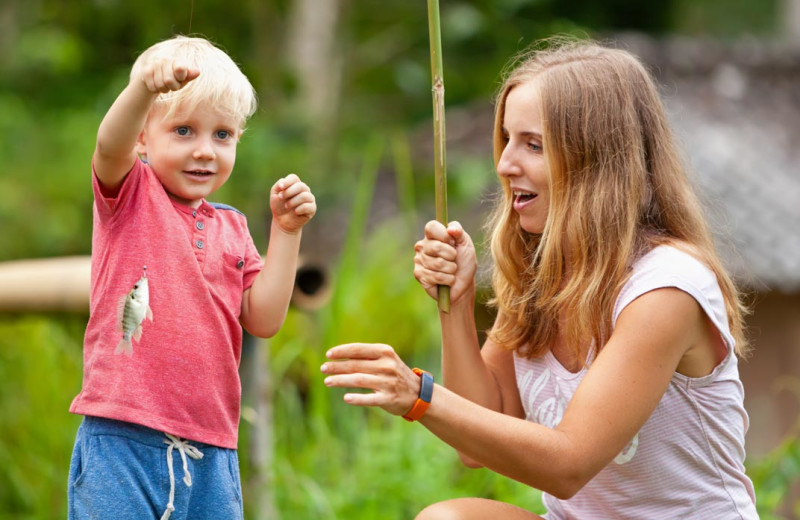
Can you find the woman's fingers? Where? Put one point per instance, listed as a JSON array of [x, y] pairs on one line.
[[438, 256], [360, 351], [365, 399], [428, 278], [441, 264], [435, 249], [378, 366], [435, 230], [435, 265], [373, 367], [376, 397], [435, 253], [354, 380]]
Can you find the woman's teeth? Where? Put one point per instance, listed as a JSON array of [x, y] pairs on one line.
[[522, 196]]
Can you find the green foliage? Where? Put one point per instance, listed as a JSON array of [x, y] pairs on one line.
[[776, 479], [63, 63], [61, 66], [40, 359], [726, 19]]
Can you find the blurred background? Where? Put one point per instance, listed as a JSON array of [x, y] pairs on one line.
[[345, 102]]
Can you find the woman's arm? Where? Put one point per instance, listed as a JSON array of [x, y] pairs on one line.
[[618, 394], [485, 376]]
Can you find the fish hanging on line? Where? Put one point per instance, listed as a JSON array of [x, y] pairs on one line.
[[134, 307]]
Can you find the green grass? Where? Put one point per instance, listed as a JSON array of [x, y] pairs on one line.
[[40, 359]]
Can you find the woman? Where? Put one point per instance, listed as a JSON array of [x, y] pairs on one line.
[[609, 379]]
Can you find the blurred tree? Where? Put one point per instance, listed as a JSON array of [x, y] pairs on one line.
[[726, 19], [790, 14], [329, 73], [615, 15]]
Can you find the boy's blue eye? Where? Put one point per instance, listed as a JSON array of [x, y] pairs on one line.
[[182, 130], [223, 134]]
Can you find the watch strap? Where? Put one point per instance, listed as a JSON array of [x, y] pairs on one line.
[[424, 399]]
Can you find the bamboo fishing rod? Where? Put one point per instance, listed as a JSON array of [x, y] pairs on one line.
[[440, 165]]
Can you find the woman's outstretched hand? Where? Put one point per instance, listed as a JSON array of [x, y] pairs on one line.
[[446, 256], [376, 367]]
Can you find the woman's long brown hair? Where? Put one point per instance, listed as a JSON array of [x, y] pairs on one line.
[[618, 188]]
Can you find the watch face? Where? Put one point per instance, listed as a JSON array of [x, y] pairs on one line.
[[426, 389], [425, 394]]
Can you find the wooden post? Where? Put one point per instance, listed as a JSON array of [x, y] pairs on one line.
[[61, 284], [47, 284], [257, 410]]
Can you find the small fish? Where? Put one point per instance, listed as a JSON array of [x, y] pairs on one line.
[[134, 307]]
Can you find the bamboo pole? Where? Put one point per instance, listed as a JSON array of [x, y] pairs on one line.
[[440, 166]]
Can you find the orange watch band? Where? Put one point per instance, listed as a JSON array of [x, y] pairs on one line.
[[424, 399]]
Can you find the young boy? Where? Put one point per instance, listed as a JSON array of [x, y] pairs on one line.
[[174, 280]]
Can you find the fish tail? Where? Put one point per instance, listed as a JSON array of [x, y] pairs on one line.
[[124, 347]]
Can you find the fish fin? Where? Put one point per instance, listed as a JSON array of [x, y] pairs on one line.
[[121, 311], [149, 313], [124, 346], [137, 334]]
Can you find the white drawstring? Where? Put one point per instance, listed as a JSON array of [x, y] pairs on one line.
[[185, 449]]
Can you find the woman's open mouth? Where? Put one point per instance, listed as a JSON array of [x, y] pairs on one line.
[[522, 199]]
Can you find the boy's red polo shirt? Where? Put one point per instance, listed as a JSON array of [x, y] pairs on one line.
[[182, 377]]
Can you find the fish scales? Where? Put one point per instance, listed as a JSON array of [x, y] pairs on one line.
[[134, 307]]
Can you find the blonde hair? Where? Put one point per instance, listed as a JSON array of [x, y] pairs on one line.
[[221, 83], [618, 188]]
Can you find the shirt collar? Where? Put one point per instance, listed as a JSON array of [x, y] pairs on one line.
[[204, 209]]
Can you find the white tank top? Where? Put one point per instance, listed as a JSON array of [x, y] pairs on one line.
[[687, 461]]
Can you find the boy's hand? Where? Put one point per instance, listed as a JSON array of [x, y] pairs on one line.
[[292, 203], [161, 75]]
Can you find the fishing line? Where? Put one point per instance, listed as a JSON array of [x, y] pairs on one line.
[[191, 15]]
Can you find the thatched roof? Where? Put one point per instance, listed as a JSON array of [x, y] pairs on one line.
[[736, 108]]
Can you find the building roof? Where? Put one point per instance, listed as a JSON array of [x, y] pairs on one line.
[[736, 109]]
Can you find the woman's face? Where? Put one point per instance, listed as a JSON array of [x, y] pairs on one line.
[[523, 162]]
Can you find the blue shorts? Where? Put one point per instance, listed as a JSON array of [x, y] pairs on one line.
[[120, 470]]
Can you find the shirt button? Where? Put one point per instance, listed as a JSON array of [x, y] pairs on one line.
[[199, 225], [194, 212], [199, 244], [240, 264]]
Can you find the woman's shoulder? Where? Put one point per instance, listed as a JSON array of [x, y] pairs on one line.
[[672, 260], [672, 265]]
